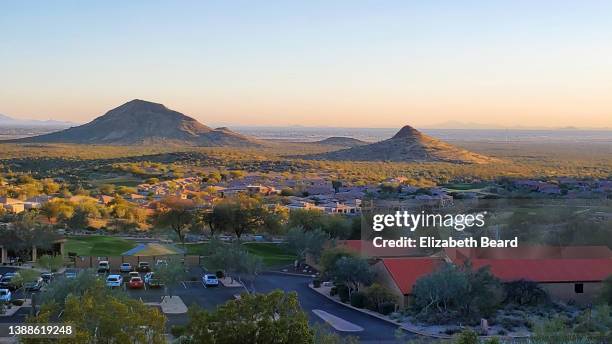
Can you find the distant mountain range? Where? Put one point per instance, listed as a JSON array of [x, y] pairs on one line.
[[407, 145], [485, 126], [6, 121], [142, 122]]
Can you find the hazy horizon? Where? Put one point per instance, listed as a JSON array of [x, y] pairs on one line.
[[327, 64]]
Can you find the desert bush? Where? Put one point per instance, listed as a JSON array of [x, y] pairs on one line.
[[467, 337], [343, 292], [358, 299], [454, 293], [524, 292]]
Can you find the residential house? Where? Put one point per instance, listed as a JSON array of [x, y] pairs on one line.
[[12, 205]]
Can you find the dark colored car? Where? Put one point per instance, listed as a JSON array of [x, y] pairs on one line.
[[47, 277], [144, 267], [34, 285]]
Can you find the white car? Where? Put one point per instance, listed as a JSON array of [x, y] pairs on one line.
[[134, 274], [103, 266], [5, 295], [210, 280], [125, 267], [152, 281], [114, 281]]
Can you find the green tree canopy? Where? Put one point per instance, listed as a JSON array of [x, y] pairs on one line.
[[274, 318]]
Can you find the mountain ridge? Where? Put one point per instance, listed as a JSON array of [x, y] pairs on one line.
[[142, 122], [407, 145]]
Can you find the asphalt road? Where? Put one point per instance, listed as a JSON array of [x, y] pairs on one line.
[[375, 330]]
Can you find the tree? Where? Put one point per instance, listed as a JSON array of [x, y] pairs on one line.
[[49, 186], [377, 296], [330, 256], [170, 274], [21, 239], [336, 184], [338, 226], [241, 214], [210, 219], [303, 242], [249, 268], [323, 334], [352, 272], [235, 261], [453, 292], [254, 318], [103, 317], [523, 292], [308, 219], [24, 276], [58, 209], [50, 263], [177, 214], [107, 189]]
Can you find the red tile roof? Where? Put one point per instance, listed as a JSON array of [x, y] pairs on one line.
[[406, 271], [532, 252], [548, 270]]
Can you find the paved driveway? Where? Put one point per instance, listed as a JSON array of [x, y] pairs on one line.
[[375, 330]]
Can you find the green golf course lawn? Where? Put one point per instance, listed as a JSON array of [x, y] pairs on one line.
[[272, 254], [98, 245]]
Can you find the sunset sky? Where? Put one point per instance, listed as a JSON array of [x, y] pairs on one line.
[[316, 63]]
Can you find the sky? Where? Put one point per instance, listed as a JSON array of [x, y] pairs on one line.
[[313, 63]]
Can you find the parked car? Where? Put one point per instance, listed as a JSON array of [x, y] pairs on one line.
[[210, 280], [70, 273], [125, 267], [103, 267], [34, 285], [114, 281], [134, 274], [47, 277], [5, 295], [6, 282], [161, 262], [136, 283], [152, 281], [144, 267]]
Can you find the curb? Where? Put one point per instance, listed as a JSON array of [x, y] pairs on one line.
[[289, 274]]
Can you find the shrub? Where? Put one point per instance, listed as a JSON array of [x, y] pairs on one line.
[[343, 292], [358, 299], [316, 283], [17, 302], [333, 291], [492, 341], [177, 330], [524, 292], [467, 337], [377, 295], [387, 308], [220, 274]]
